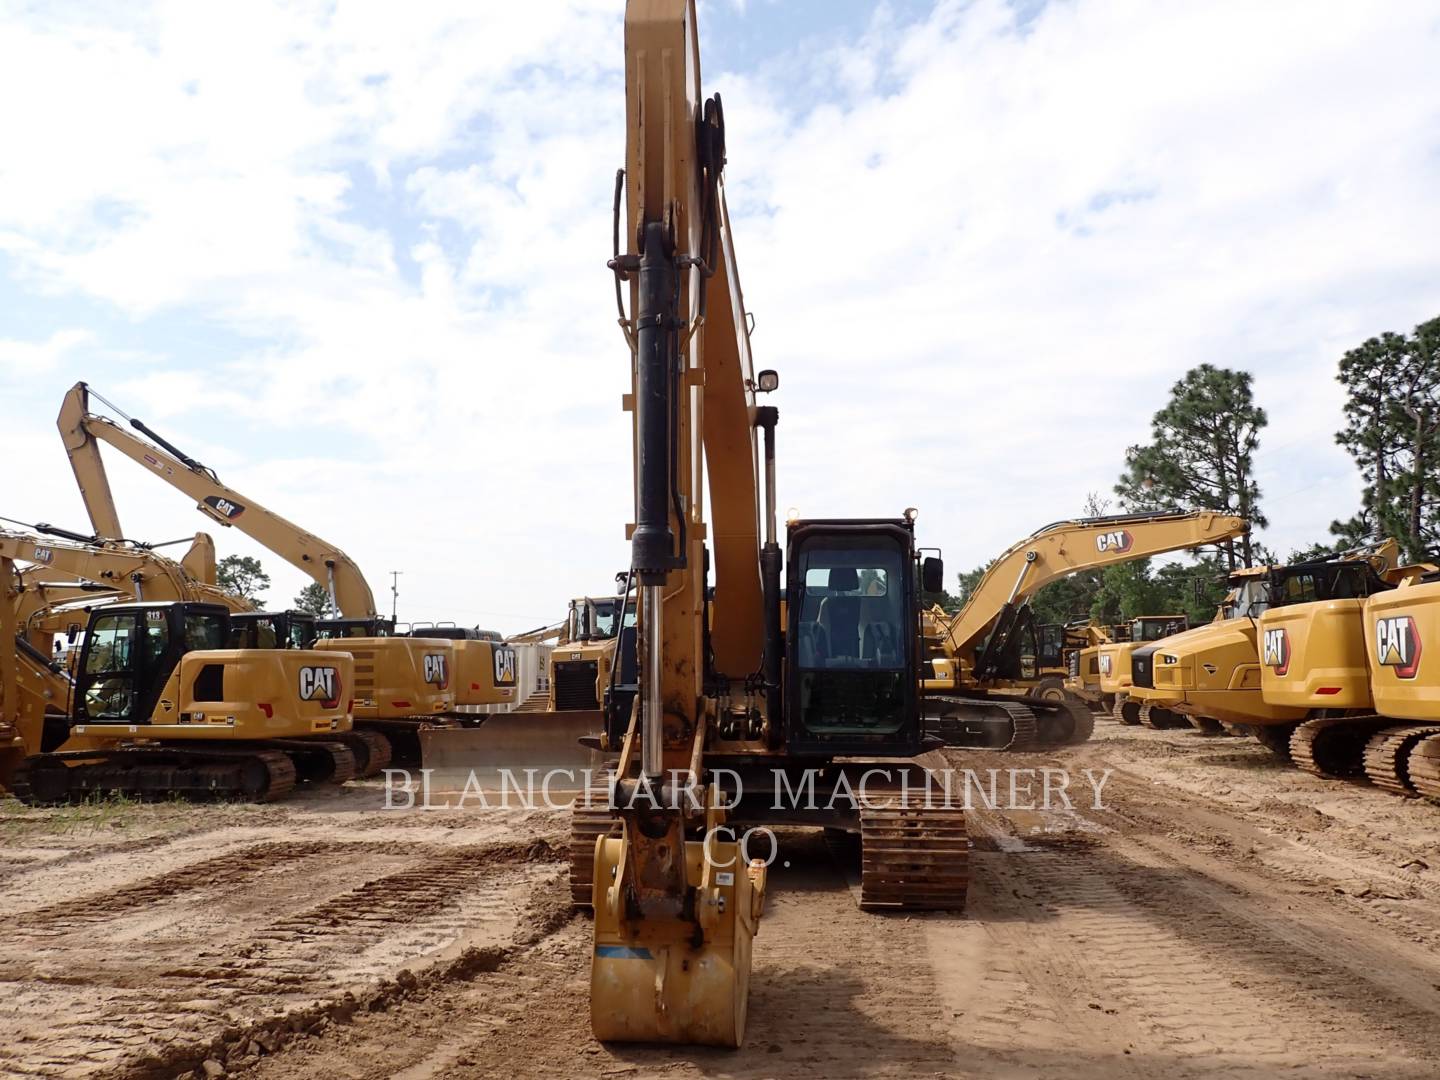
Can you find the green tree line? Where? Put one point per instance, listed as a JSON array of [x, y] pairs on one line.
[[1201, 456]]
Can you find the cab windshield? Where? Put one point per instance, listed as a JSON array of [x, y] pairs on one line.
[[1155, 629], [1252, 600], [850, 645], [604, 614], [850, 615]]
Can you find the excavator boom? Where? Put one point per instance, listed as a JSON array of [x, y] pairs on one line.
[[1067, 547], [83, 430]]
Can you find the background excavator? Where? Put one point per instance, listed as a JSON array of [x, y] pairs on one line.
[[1402, 647], [730, 701], [405, 684], [55, 583], [985, 689], [156, 705]]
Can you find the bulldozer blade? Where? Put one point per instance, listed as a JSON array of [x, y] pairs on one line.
[[538, 753]]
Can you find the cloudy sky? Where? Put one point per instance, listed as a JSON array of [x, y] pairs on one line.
[[352, 257]]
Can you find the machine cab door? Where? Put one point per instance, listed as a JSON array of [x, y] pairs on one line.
[[127, 654], [1051, 647], [853, 632]]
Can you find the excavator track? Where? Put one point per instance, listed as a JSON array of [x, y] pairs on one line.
[[1424, 766], [913, 858], [1334, 746], [371, 750], [1061, 721], [587, 825], [1274, 737], [154, 773], [1081, 723], [403, 734], [1387, 756], [987, 714], [1205, 725], [316, 761]]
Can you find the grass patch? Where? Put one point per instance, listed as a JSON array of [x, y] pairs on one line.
[[108, 812]]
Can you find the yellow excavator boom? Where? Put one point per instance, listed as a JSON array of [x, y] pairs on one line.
[[83, 430], [1068, 547]]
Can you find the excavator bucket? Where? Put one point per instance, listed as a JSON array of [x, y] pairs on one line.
[[534, 752], [650, 980]]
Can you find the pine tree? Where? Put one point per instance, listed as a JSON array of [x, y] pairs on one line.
[[314, 598], [242, 576], [1203, 453], [1392, 430]]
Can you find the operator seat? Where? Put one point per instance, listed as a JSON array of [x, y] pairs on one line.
[[840, 617]]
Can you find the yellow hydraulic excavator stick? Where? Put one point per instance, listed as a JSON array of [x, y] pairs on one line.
[[83, 431]]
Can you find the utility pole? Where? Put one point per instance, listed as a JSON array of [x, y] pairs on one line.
[[394, 591]]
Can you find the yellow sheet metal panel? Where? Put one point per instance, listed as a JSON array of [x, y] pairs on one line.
[[1312, 656], [1402, 632], [399, 676]]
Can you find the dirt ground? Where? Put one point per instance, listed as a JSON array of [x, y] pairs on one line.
[[1222, 915]]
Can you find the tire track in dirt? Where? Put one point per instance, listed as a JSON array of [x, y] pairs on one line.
[[88, 1008], [464, 891], [222, 870]]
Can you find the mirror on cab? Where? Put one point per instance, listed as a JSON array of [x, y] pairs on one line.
[[932, 574]]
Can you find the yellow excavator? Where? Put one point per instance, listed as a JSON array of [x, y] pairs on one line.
[[405, 684], [984, 690], [807, 675], [50, 598], [1402, 646], [156, 705], [1337, 630], [1213, 672]]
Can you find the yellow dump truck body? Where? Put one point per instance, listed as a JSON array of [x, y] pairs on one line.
[[1213, 671]]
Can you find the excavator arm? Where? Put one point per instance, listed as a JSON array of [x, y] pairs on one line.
[[83, 431], [138, 573], [1068, 547]]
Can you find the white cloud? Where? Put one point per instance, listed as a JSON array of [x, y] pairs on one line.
[[978, 254], [33, 357]]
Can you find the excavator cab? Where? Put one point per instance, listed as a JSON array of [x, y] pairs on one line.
[[1155, 627], [451, 632], [854, 613], [329, 629], [130, 651], [271, 630]]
